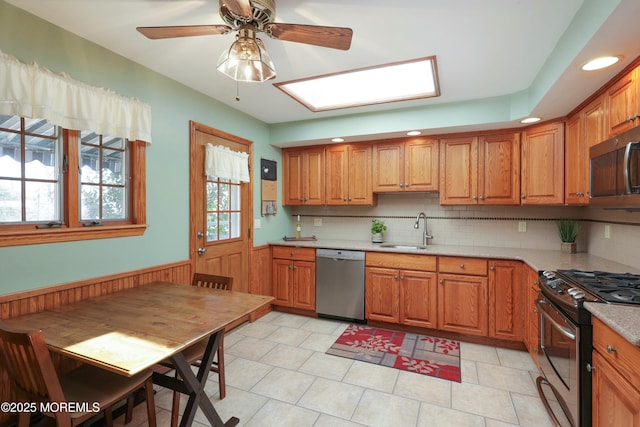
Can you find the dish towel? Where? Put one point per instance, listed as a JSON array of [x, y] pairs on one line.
[[223, 163]]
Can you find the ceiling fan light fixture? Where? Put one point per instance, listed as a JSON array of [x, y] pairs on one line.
[[247, 59]]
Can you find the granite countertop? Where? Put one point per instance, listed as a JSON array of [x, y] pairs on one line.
[[624, 319]]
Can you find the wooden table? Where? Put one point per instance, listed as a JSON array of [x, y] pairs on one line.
[[130, 331]]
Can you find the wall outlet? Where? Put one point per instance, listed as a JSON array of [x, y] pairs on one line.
[[257, 223], [607, 231], [522, 226], [317, 222]]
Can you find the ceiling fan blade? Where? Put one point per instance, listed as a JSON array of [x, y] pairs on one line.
[[183, 31], [333, 37], [238, 7]]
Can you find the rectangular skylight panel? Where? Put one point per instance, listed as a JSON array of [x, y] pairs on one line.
[[387, 83]]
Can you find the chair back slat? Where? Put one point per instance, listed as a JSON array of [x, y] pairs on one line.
[[29, 365], [212, 281]]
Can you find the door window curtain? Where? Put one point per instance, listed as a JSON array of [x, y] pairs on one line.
[[29, 90], [223, 163]]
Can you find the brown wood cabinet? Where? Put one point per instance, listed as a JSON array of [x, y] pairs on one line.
[[405, 165], [506, 297], [542, 170], [348, 175], [303, 176], [532, 316], [616, 379], [401, 288], [294, 277], [583, 130], [623, 103], [463, 296], [481, 169]]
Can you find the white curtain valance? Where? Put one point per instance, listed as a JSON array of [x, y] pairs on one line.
[[221, 162], [33, 91]]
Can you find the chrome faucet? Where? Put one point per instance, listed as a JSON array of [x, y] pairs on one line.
[[425, 235]]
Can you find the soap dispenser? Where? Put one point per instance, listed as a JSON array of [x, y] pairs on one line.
[[298, 228]]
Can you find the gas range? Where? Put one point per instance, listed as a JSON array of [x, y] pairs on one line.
[[570, 289]]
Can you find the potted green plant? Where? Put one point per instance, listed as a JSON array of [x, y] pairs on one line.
[[568, 230], [377, 230]]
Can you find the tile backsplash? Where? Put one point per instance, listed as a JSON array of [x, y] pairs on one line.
[[498, 226]]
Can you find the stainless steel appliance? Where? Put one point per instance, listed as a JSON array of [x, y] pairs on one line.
[[566, 336], [340, 284], [615, 171]]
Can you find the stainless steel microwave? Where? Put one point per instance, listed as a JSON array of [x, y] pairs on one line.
[[615, 171]]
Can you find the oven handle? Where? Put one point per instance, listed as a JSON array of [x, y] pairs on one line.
[[566, 332]]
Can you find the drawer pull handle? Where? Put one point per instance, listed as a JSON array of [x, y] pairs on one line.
[[611, 349]]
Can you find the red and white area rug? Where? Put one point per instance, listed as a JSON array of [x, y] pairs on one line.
[[436, 357]]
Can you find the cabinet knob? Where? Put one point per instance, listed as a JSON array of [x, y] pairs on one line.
[[441, 281], [395, 277], [401, 185], [291, 253], [349, 199], [461, 265], [481, 197], [492, 268], [475, 197], [611, 349], [406, 184], [590, 367], [344, 199], [401, 277], [522, 196]]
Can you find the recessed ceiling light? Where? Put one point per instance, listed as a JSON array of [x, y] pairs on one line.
[[337, 139], [530, 120], [598, 63], [399, 81], [414, 133]]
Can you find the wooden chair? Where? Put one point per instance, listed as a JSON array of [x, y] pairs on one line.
[[34, 379], [195, 352]]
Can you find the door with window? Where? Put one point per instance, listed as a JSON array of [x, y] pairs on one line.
[[220, 212]]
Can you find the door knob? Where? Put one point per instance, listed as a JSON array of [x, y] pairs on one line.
[[202, 251]]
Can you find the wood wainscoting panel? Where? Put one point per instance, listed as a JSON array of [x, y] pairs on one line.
[[260, 271]]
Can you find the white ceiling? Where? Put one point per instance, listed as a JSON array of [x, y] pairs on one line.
[[484, 48]]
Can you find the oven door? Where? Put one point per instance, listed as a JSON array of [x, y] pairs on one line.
[[559, 338]]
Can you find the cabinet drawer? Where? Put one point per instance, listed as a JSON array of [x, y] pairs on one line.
[[294, 253], [623, 355], [401, 261], [460, 265]]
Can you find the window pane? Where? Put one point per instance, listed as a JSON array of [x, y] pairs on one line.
[[113, 203], [9, 154], [89, 202], [40, 158], [113, 167], [10, 122], [39, 127], [212, 196], [41, 201], [10, 201], [224, 197], [212, 227], [235, 225], [112, 142], [224, 226], [88, 137], [89, 165], [235, 198]]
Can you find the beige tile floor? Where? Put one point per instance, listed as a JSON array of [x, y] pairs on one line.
[[279, 375]]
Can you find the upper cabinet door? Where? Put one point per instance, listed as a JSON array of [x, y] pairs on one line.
[[336, 175], [421, 161], [314, 176], [623, 104], [303, 181], [388, 166], [459, 171], [499, 169], [360, 192], [348, 175], [543, 165], [293, 181]]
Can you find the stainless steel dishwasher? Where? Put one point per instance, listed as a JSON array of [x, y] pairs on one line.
[[340, 284]]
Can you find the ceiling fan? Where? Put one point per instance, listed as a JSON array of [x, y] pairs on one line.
[[247, 59]]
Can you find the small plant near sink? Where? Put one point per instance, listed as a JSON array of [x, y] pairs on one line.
[[377, 230], [568, 230]]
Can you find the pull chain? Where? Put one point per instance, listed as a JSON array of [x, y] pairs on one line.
[[237, 90]]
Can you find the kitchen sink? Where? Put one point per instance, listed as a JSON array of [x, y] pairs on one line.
[[402, 246]]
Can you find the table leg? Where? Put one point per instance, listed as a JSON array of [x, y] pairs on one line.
[[193, 385]]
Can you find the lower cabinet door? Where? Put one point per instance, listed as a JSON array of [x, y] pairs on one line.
[[282, 278], [304, 285], [462, 304], [615, 401], [382, 294], [418, 298]]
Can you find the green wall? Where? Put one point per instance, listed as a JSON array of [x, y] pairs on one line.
[[172, 105]]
